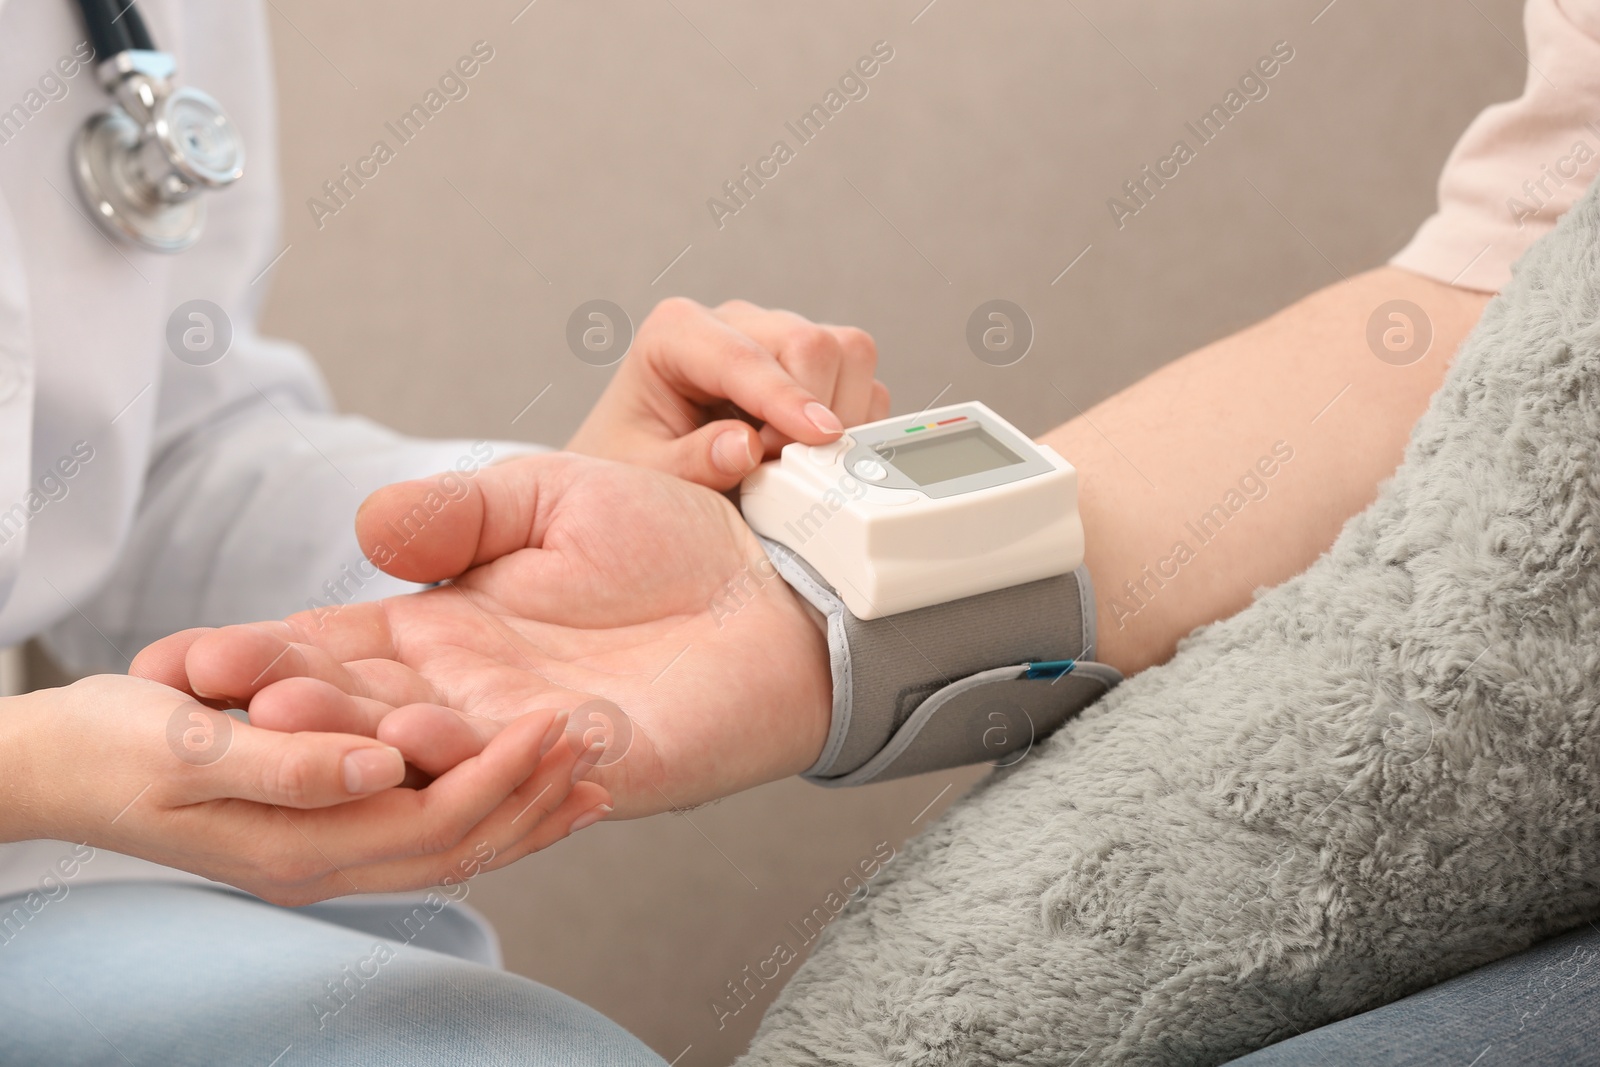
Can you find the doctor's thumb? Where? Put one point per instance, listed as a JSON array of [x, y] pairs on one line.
[[717, 455]]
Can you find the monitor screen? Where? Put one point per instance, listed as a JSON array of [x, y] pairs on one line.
[[945, 456]]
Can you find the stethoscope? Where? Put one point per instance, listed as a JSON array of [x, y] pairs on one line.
[[142, 163]]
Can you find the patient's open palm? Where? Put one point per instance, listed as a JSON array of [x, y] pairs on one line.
[[574, 583]]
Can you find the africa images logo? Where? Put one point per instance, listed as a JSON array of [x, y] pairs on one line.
[[1251, 86], [453, 85]]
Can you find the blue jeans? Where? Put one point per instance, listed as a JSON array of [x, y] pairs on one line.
[[1539, 1008], [131, 973]]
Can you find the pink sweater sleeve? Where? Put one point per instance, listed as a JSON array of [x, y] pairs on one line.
[[1522, 163]]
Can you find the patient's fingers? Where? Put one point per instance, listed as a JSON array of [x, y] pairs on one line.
[[163, 661], [237, 662], [430, 737], [348, 631], [434, 738], [392, 683], [465, 527], [291, 705]]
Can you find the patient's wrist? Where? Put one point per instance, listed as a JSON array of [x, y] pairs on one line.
[[812, 699], [19, 759], [972, 680]]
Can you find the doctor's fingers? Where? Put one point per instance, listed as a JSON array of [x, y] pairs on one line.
[[808, 352], [223, 759], [497, 797], [533, 818], [237, 662], [879, 406], [703, 358], [717, 455], [837, 363]]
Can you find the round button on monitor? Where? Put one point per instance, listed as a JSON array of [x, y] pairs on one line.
[[871, 470]]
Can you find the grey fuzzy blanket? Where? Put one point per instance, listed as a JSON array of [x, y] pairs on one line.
[[1380, 774]]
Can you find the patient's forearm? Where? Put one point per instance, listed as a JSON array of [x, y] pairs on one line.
[[1182, 518]]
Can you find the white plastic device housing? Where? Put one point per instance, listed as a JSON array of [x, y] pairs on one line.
[[886, 551]]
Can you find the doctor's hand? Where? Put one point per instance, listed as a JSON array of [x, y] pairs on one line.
[[676, 401], [638, 602], [132, 766]]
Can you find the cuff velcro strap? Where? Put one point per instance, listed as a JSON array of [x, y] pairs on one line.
[[975, 680]]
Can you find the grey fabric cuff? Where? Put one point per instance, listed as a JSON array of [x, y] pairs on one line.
[[978, 679]]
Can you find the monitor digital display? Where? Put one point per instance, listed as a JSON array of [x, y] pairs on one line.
[[945, 456]]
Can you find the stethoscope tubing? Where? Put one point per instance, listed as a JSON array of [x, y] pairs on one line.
[[115, 26]]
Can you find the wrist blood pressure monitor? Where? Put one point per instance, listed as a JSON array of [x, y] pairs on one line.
[[946, 552], [905, 513]]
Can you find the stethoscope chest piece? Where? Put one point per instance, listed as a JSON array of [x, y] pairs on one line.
[[142, 164], [118, 200]]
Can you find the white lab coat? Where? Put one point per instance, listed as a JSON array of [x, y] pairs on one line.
[[214, 494]]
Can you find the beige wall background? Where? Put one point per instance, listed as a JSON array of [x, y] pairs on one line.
[[978, 166]]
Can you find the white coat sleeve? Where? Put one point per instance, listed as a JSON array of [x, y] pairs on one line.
[[249, 503]]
